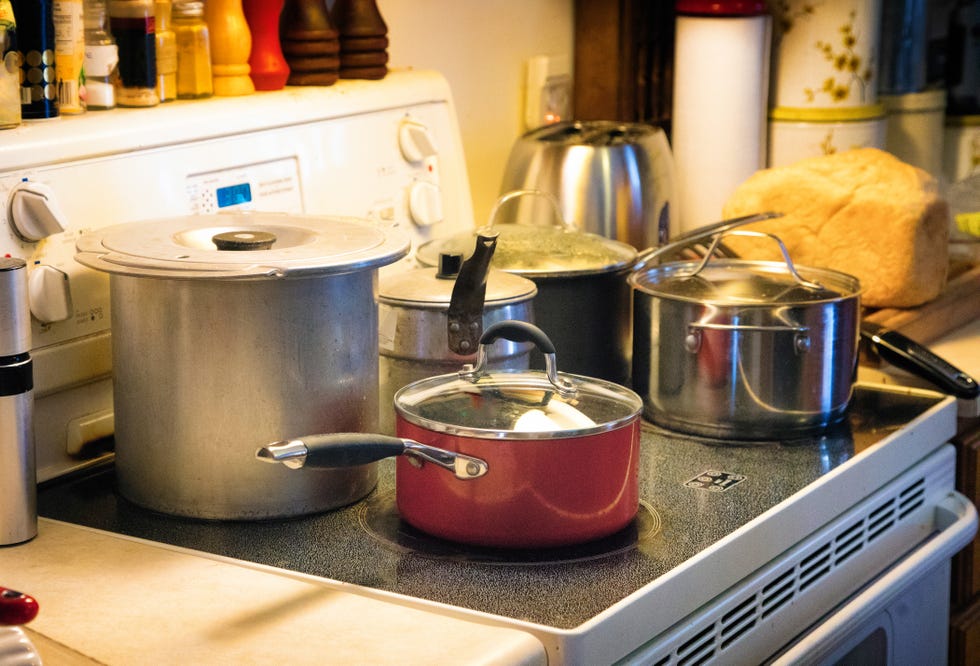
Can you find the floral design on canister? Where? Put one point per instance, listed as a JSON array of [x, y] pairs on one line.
[[825, 53]]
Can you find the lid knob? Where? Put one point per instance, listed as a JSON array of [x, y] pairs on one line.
[[244, 240], [449, 264]]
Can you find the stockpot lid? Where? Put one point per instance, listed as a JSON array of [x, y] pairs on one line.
[[540, 251], [265, 245], [744, 282], [422, 288], [516, 405]]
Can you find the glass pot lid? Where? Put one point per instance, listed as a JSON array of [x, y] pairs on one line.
[[528, 404], [241, 245]]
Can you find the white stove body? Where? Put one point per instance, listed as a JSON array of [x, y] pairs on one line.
[[387, 151]]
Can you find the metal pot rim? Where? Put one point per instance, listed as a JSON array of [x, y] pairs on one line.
[[182, 247], [523, 250], [657, 280], [407, 400]]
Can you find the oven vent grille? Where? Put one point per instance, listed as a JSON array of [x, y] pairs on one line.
[[782, 587]]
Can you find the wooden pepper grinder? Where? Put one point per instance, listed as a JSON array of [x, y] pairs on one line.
[[310, 43], [231, 45], [269, 69], [363, 39]]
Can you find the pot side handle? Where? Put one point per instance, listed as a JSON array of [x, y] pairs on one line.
[[349, 449]]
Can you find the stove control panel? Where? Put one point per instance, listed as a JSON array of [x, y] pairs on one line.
[[267, 186]]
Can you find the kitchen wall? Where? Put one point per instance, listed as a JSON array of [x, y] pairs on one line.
[[481, 48]]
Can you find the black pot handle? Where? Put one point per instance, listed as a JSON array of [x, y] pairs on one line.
[[349, 449], [518, 331], [905, 353]]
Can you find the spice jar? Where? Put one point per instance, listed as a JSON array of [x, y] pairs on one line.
[[133, 23], [9, 68], [166, 52], [193, 50], [101, 57]]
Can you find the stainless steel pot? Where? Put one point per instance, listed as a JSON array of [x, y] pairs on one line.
[[213, 349], [744, 349], [417, 308], [583, 300], [613, 179]]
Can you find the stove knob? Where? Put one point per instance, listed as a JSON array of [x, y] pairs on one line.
[[415, 141], [425, 203], [34, 212], [49, 295]]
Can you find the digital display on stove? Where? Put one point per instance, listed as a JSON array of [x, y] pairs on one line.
[[232, 195]]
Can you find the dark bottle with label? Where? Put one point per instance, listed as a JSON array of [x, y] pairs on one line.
[[35, 44], [133, 24]]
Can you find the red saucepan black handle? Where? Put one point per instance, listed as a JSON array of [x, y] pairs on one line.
[[346, 449]]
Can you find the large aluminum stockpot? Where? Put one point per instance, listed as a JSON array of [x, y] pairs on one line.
[[744, 349], [513, 459], [214, 348]]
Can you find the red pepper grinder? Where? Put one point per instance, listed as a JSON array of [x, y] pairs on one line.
[[363, 39], [269, 67], [310, 43]]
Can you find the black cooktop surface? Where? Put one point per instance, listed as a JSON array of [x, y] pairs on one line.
[[693, 492]]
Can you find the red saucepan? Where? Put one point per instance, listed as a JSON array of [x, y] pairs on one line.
[[524, 459]]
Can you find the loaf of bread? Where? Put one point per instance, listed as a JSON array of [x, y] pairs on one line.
[[863, 212]]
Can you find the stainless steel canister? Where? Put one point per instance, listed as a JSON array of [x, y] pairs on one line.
[[216, 351], [18, 480]]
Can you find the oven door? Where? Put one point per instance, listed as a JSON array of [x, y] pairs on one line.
[[902, 616]]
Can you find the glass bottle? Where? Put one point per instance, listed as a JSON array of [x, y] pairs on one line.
[[166, 52], [35, 48], [69, 53], [133, 24], [9, 68], [101, 57], [194, 79]]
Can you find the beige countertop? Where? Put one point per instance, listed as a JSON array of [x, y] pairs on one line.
[[110, 599]]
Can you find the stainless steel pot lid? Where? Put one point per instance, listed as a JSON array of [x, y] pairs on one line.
[[260, 245], [516, 404], [743, 282], [422, 288], [540, 251]]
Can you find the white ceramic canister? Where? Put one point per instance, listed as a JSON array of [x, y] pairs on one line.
[[825, 53], [720, 96], [795, 134], [961, 147], [914, 131]]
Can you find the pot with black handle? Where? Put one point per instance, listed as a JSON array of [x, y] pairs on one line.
[[513, 459]]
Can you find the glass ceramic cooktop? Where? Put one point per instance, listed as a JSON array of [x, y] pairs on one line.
[[693, 493]]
